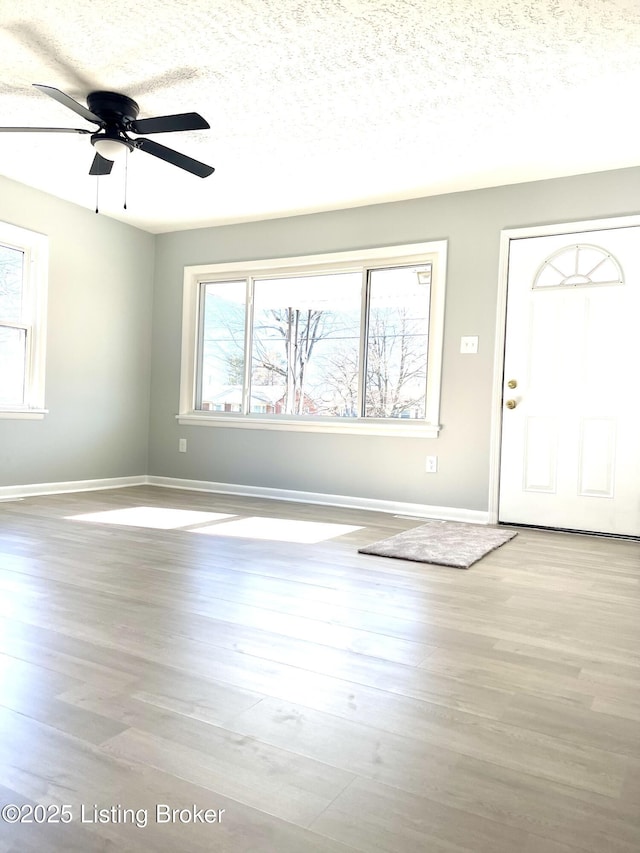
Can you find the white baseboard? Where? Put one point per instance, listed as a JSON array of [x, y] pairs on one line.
[[396, 508], [445, 513], [33, 489]]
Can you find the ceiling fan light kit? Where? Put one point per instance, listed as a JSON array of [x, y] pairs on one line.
[[117, 116], [111, 147]]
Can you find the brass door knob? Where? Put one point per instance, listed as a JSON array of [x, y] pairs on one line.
[[512, 383], [511, 404]]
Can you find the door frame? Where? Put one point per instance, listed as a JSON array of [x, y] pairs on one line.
[[497, 412]]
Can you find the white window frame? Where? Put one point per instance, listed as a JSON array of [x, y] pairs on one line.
[[434, 253], [35, 272]]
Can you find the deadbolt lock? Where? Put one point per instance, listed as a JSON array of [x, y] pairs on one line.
[[511, 404], [512, 383]]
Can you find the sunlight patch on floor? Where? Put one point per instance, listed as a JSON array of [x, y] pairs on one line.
[[159, 518], [278, 529]]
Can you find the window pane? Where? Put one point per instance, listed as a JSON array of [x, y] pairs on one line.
[[222, 346], [10, 284], [304, 359], [576, 265], [12, 365], [397, 342]]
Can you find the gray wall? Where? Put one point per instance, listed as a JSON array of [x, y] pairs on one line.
[[371, 467], [98, 346], [114, 339]]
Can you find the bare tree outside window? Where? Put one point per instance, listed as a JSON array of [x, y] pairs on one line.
[[306, 345], [397, 344], [297, 322]]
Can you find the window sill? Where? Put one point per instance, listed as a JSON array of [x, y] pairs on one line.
[[405, 429], [23, 414]]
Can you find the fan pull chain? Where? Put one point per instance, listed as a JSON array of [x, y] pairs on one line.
[[97, 188], [126, 176]]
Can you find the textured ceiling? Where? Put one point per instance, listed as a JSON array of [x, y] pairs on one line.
[[322, 104]]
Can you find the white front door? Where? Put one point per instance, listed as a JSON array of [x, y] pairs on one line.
[[570, 453]]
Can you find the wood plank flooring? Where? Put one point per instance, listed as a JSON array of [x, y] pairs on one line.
[[313, 699]]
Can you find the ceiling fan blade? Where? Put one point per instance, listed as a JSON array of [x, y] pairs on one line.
[[165, 124], [174, 157], [100, 165], [43, 130], [67, 101]]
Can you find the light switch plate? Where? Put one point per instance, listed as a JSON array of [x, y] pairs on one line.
[[469, 344]]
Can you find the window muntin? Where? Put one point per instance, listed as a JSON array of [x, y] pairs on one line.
[[579, 264], [335, 381], [22, 321]]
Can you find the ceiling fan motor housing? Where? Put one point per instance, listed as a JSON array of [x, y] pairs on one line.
[[116, 112], [113, 108]]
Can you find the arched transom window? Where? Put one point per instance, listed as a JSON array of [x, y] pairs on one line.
[[579, 264]]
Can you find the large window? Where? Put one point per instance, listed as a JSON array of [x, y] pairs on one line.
[[22, 315], [342, 342]]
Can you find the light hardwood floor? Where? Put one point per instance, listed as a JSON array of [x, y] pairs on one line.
[[327, 701]]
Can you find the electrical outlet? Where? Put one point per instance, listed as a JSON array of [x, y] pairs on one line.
[[431, 464], [182, 445], [469, 344]]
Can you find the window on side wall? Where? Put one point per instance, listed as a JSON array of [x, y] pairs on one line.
[[23, 282], [350, 342]]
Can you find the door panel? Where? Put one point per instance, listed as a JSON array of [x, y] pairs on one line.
[[597, 457], [540, 455], [570, 454]]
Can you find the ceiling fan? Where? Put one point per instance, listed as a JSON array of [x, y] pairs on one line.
[[117, 117]]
